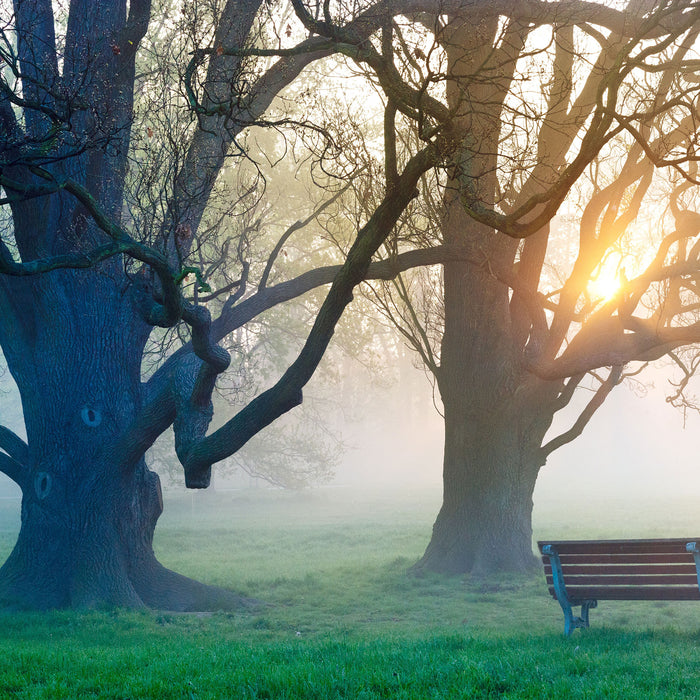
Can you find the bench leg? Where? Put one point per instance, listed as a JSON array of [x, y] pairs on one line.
[[585, 607], [571, 621]]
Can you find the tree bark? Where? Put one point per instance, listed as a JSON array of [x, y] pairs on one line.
[[87, 518], [490, 469], [496, 416], [92, 547]]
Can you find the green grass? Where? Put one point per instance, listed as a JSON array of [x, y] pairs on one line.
[[342, 619]]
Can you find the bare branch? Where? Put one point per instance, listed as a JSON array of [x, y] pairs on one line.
[[613, 341], [136, 26], [13, 469], [14, 445], [297, 226], [38, 59], [287, 392], [15, 463], [582, 421], [164, 315]]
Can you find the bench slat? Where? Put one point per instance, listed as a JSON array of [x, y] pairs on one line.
[[634, 580], [580, 593], [640, 558], [623, 569], [621, 546]]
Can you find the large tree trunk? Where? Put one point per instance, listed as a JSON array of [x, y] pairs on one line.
[[496, 416], [490, 469], [87, 517], [91, 546], [495, 413]]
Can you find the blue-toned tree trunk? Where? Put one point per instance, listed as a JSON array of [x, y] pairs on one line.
[[74, 339], [74, 322], [74, 347]]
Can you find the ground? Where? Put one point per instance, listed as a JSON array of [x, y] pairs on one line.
[[343, 620]]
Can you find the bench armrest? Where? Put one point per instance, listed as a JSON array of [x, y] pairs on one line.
[[692, 547]]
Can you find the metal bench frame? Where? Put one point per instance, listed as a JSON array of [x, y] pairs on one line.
[[671, 586]]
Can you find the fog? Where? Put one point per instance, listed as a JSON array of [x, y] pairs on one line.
[[635, 447]]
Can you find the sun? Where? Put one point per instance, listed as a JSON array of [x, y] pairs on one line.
[[607, 283]]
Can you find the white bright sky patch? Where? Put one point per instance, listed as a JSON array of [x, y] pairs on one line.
[[606, 283]]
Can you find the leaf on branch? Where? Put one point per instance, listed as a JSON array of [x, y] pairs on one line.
[[181, 276], [219, 50]]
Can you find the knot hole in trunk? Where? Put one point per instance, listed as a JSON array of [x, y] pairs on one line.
[[42, 485], [91, 417]]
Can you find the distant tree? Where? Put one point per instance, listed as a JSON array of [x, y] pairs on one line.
[[514, 327]]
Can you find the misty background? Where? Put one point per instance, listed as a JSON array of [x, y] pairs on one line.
[[636, 447]]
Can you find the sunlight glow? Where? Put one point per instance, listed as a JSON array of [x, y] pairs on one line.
[[606, 283]]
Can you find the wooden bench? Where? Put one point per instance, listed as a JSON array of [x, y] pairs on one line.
[[580, 573]]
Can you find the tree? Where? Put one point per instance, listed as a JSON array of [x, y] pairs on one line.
[[522, 324], [82, 287], [105, 232]]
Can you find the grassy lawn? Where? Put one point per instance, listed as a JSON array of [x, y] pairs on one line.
[[340, 618]]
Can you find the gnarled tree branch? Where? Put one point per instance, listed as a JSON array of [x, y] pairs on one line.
[[15, 463], [287, 392]]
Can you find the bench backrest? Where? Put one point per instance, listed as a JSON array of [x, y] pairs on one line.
[[624, 569]]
